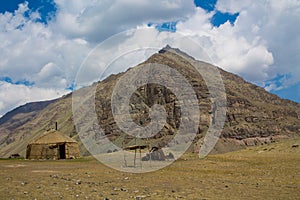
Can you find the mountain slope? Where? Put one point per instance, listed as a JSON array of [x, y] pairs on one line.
[[30, 108], [18, 117], [254, 116]]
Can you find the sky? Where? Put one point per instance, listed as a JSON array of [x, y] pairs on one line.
[[44, 42]]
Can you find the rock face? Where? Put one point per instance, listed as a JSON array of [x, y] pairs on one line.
[[253, 117]]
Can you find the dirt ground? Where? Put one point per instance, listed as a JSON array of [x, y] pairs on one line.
[[264, 172]]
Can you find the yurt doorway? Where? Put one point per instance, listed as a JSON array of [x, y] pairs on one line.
[[62, 151]]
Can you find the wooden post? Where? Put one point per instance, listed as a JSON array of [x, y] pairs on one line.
[[134, 151], [125, 162], [140, 157], [134, 157]]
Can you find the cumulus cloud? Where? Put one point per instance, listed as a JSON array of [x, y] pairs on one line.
[[12, 95], [29, 46], [273, 25], [229, 49], [49, 55], [130, 48], [31, 51], [97, 20], [263, 42]]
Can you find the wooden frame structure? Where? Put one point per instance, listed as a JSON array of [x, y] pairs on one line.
[[135, 148]]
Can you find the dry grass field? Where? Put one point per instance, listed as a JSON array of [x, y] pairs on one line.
[[263, 172]]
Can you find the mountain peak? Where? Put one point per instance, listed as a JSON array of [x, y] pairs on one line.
[[168, 48]]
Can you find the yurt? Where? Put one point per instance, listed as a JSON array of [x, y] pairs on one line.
[[53, 145]]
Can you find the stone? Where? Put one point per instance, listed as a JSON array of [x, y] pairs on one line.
[[140, 197], [295, 145], [24, 183]]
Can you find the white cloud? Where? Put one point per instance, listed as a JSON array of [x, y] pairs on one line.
[[227, 48], [50, 55], [275, 24], [28, 49], [97, 20], [12, 95], [128, 49], [264, 41], [32, 51], [233, 6]]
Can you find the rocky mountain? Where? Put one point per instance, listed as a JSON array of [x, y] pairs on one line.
[[253, 116]]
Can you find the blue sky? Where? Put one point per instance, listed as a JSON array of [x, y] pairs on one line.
[[46, 40], [217, 19], [46, 8]]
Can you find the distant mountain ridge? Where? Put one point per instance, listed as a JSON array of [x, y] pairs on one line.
[[253, 117], [27, 108]]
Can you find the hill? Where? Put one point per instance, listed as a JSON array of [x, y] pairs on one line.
[[253, 116]]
